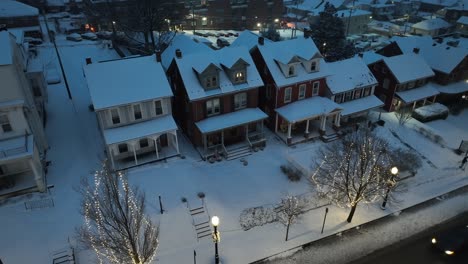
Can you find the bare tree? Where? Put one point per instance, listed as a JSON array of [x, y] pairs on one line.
[[403, 115], [116, 226], [290, 208], [353, 170]]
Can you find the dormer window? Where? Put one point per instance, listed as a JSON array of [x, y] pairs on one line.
[[239, 77], [211, 82], [313, 66], [291, 70], [115, 116]]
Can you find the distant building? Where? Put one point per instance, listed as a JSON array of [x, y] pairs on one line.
[[431, 27], [15, 14], [355, 21], [23, 142], [462, 25]]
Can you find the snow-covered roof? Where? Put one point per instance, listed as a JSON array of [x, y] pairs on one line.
[[199, 61], [348, 75], [229, 120], [140, 130], [355, 12], [126, 81], [360, 105], [10, 8], [440, 57], [408, 67], [432, 24], [463, 20], [370, 57], [452, 88], [315, 6], [417, 94], [287, 50], [11, 103], [440, 2], [6, 52], [247, 39], [185, 44], [307, 108]]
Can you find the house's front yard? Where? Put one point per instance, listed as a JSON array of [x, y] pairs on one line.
[[229, 186]]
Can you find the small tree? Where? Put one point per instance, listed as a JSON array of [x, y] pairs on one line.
[[354, 170], [290, 208], [271, 33], [403, 115], [116, 226]]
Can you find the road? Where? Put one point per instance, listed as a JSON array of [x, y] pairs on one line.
[[416, 248]]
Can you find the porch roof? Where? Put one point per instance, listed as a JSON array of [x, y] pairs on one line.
[[16, 148], [360, 105], [139, 130], [452, 88], [416, 94], [229, 120], [307, 108]]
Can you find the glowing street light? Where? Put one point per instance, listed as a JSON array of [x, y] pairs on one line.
[[390, 185], [216, 237]]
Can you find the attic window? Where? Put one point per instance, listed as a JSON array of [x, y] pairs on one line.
[[239, 77], [291, 70], [211, 82], [313, 66]]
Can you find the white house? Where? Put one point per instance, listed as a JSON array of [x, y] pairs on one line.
[[132, 101], [431, 27], [23, 143]]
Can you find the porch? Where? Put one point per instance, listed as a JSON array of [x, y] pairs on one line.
[[417, 97], [141, 143], [243, 126], [357, 108]]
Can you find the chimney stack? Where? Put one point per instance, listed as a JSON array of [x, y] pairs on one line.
[[361, 55], [88, 61], [158, 56], [178, 53], [416, 50], [261, 40]]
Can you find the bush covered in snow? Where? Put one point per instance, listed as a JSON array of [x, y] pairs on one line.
[[257, 216], [431, 112], [292, 173]]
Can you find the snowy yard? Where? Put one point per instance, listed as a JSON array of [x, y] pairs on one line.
[[229, 186]]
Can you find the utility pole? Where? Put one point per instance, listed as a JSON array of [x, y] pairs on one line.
[[349, 18], [193, 17]]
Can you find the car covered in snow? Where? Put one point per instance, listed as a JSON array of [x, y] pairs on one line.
[[89, 36], [74, 37]]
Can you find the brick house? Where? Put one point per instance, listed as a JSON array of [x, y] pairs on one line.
[[15, 14], [132, 101], [216, 98], [294, 97]]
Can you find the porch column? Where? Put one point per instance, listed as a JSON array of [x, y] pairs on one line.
[[134, 153], [414, 105], [424, 102], [176, 142], [306, 132], [156, 147], [435, 96], [289, 138], [111, 155], [38, 177], [337, 120], [323, 121]]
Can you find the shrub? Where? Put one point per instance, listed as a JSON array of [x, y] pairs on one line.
[[201, 195], [292, 173], [257, 216]]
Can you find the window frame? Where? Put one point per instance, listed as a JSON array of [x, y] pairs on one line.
[[313, 66], [135, 112], [287, 91], [119, 148], [117, 110], [239, 77], [315, 88], [240, 101], [211, 107], [156, 107], [141, 140], [6, 124], [302, 91], [291, 70]]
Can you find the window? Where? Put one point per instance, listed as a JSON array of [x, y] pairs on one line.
[[212, 107], [240, 101], [313, 66], [115, 116], [144, 143], [239, 77], [5, 123], [287, 95], [137, 112], [302, 90], [367, 91], [348, 96], [291, 70], [386, 83], [123, 148], [211, 82], [158, 107], [357, 94], [315, 88], [338, 98], [421, 82], [411, 85]]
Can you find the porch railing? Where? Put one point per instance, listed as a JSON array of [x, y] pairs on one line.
[[255, 138], [16, 150]]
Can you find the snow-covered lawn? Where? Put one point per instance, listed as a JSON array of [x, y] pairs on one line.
[[229, 186]]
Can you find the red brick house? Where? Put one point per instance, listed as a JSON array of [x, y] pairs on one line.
[[216, 99], [15, 14], [403, 80], [294, 74]]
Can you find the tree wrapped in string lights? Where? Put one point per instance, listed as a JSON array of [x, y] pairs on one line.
[[354, 170], [116, 226]]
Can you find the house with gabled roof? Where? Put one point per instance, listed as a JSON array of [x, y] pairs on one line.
[[294, 96], [431, 27], [352, 86], [404, 81], [132, 101], [216, 100]]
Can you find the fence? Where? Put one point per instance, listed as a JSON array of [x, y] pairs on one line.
[[39, 204]]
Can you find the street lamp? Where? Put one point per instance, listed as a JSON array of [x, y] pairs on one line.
[[390, 185], [216, 237]]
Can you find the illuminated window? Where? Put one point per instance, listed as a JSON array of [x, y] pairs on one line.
[[239, 77]]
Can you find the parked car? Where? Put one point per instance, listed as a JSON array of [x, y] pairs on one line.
[[104, 34], [222, 42], [53, 76], [74, 37], [89, 36], [33, 41], [453, 242]]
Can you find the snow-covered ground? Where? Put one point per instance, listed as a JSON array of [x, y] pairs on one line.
[[229, 186]]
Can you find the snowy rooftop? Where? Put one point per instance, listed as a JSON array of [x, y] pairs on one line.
[[417, 94], [247, 39], [370, 57], [348, 75], [432, 24], [139, 130], [10, 8], [126, 81], [355, 12], [229, 120], [189, 64], [6, 53], [287, 50], [307, 108], [408, 67], [463, 20], [185, 44], [360, 105], [315, 6], [440, 57], [452, 88]]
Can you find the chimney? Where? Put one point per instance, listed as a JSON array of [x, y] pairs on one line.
[[416, 50], [178, 53], [261, 40], [361, 55], [158, 56], [88, 61]]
